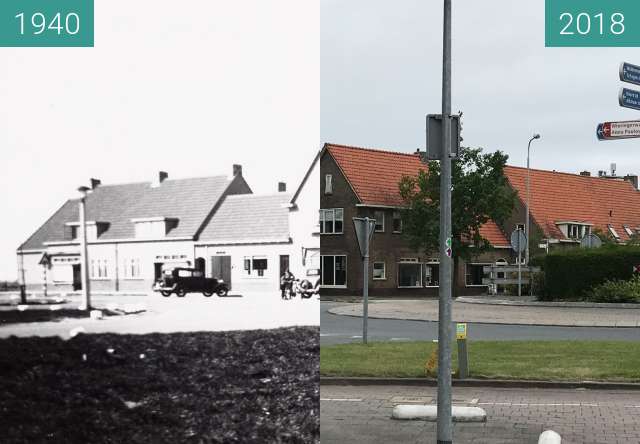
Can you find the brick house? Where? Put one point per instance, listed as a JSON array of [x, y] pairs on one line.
[[359, 182], [135, 231], [565, 207]]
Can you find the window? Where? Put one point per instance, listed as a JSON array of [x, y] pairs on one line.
[[328, 184], [184, 273], [628, 230], [520, 227], [132, 268], [474, 274], [409, 275], [613, 232], [379, 271], [259, 264], [333, 271], [573, 231], [432, 274], [397, 222], [247, 265], [379, 217], [331, 221], [74, 232], [99, 269]]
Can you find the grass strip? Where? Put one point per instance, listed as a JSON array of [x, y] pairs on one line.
[[533, 360]]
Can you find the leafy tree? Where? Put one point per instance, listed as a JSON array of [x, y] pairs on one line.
[[479, 193]]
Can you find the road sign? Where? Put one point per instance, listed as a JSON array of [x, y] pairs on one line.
[[618, 130], [629, 98], [630, 73], [434, 136], [461, 331], [591, 241], [364, 232], [518, 241]]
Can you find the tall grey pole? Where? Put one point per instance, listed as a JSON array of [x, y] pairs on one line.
[[86, 292], [444, 426], [365, 299], [526, 255]]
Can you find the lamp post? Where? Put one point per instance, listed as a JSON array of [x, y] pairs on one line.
[[84, 260], [526, 254]]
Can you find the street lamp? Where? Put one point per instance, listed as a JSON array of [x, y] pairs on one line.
[[86, 293], [526, 256]]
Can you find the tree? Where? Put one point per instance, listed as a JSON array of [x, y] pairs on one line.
[[479, 193]]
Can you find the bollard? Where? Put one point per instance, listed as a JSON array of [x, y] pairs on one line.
[[463, 357]]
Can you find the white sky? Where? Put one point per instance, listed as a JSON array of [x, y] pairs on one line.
[[381, 70], [190, 87]]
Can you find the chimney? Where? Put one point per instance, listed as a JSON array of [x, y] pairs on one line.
[[95, 183], [585, 173], [282, 187], [237, 170], [633, 179], [162, 176], [602, 173], [614, 167]]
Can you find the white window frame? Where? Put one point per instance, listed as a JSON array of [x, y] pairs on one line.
[[126, 269], [328, 184], [246, 270], [613, 232], [375, 213], [424, 278], [99, 270], [628, 230], [346, 270], [384, 271], [466, 274], [410, 261], [333, 211]]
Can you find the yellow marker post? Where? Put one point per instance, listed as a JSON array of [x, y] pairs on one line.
[[463, 358]]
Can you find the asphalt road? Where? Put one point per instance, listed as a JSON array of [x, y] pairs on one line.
[[345, 329]]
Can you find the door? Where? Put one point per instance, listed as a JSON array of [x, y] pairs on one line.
[[157, 271], [77, 277], [221, 268], [284, 266]]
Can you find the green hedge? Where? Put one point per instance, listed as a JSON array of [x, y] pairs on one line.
[[572, 273]]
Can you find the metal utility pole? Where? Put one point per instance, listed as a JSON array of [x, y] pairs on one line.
[[444, 425], [84, 263], [364, 229], [526, 254]]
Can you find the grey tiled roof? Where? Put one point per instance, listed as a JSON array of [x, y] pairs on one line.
[[188, 200], [249, 218]]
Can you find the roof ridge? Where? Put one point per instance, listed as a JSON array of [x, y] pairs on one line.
[[578, 175], [148, 182], [375, 150]]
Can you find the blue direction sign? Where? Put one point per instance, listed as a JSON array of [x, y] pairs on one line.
[[630, 73], [629, 98]]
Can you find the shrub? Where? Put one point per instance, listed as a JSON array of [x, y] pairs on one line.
[[616, 291], [572, 273]]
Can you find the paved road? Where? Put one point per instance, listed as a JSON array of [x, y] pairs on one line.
[[344, 329], [191, 313], [362, 415]]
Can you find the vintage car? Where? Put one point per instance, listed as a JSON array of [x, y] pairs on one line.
[[189, 280]]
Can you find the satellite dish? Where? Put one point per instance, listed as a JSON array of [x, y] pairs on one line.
[[590, 241]]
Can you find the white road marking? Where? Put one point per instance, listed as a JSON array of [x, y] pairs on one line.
[[341, 399], [551, 404], [400, 339], [356, 337]]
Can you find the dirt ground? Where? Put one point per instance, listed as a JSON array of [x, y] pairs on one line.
[[208, 387]]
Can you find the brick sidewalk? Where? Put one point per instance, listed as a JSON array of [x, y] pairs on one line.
[[427, 310], [362, 415]]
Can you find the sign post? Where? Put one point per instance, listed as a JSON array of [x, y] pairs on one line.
[[364, 232], [463, 358], [444, 410], [518, 243]]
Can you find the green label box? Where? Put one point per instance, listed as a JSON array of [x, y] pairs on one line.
[[46, 23], [592, 23]]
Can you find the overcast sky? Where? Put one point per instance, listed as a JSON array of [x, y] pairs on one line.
[[381, 71], [190, 88]]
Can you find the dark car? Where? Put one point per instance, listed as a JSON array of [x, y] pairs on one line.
[[189, 280]]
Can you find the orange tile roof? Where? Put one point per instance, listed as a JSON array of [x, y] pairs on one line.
[[557, 197], [374, 176]]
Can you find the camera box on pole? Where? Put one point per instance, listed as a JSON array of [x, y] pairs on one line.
[[434, 136]]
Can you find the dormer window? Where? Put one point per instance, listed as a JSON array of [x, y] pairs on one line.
[[153, 227], [574, 230], [613, 232], [628, 230], [94, 230]]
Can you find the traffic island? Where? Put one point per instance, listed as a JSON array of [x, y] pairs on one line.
[[430, 413]]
